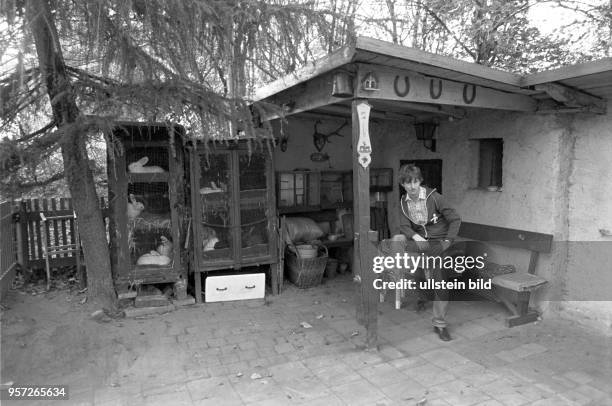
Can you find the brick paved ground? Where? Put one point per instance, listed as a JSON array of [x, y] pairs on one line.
[[208, 355]]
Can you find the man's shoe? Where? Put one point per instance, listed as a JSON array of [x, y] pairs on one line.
[[443, 333], [420, 306]]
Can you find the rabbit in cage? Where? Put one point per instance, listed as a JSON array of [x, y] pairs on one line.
[[165, 248], [153, 258], [209, 239], [139, 167], [134, 207]]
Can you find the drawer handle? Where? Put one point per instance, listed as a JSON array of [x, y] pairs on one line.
[[222, 289], [250, 287]]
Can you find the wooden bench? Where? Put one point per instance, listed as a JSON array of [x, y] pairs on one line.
[[511, 287]]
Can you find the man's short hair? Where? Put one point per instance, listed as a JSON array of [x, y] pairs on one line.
[[409, 172]]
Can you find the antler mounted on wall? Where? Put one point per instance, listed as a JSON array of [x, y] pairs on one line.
[[319, 139]]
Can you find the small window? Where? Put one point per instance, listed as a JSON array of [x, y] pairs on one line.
[[490, 162]]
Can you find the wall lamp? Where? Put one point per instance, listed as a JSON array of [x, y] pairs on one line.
[[426, 132]]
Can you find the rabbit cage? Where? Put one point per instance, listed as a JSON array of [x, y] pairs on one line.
[[148, 215], [234, 215]]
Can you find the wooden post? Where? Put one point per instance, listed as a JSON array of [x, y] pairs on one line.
[[367, 303], [21, 229]]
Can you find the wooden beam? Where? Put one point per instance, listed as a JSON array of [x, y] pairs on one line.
[[573, 98], [329, 62], [346, 110], [568, 72], [367, 303], [305, 97], [450, 111], [439, 61], [407, 86]]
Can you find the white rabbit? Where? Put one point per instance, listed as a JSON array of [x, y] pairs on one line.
[[209, 244], [209, 239], [153, 258], [212, 189], [139, 167], [165, 248], [134, 207]]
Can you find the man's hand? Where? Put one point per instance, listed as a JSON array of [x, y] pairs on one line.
[[445, 244], [422, 243]]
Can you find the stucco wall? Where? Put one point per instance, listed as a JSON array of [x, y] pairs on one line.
[[589, 262], [300, 145]]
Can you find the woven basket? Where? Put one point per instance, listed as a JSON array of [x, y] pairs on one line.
[[305, 272]]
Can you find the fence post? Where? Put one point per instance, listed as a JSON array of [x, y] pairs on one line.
[[21, 229]]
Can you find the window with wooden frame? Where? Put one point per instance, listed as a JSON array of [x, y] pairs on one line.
[[490, 157]]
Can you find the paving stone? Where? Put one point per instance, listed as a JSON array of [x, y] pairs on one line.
[[327, 400], [578, 377], [382, 374], [359, 392], [304, 388], [209, 388], [284, 348], [258, 390], [529, 349], [445, 358], [429, 375], [458, 393], [180, 398], [511, 399], [337, 374], [491, 402], [406, 391]]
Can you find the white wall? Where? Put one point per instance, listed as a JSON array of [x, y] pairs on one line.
[[589, 265], [300, 145]]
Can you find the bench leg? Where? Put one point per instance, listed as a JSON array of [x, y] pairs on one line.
[[381, 296], [398, 298], [518, 304]]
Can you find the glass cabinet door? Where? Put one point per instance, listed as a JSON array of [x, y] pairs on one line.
[[254, 202], [215, 196]]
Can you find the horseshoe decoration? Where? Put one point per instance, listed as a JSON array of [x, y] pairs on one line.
[[396, 86], [472, 97], [431, 89]]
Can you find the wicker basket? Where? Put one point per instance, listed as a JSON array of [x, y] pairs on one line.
[[305, 272]]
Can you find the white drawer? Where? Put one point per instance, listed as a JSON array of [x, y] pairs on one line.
[[235, 287]]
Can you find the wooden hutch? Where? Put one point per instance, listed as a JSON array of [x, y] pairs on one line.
[[148, 214], [234, 211]]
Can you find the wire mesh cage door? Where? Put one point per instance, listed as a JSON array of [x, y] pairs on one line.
[[150, 238], [215, 196], [254, 204]]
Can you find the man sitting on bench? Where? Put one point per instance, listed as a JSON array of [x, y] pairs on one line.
[[430, 226]]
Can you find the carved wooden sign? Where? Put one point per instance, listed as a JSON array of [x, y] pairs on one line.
[[364, 148]]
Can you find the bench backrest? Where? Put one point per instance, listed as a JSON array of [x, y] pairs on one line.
[[509, 237]]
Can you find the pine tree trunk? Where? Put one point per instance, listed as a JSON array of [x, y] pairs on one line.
[[76, 163]]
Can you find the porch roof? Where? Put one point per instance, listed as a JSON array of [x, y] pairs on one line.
[[583, 87]]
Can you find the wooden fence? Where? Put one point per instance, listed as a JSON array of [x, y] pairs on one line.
[[8, 247], [58, 231]]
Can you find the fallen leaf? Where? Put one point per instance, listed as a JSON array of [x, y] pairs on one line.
[[239, 374], [305, 324], [320, 316], [354, 333], [255, 375]]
